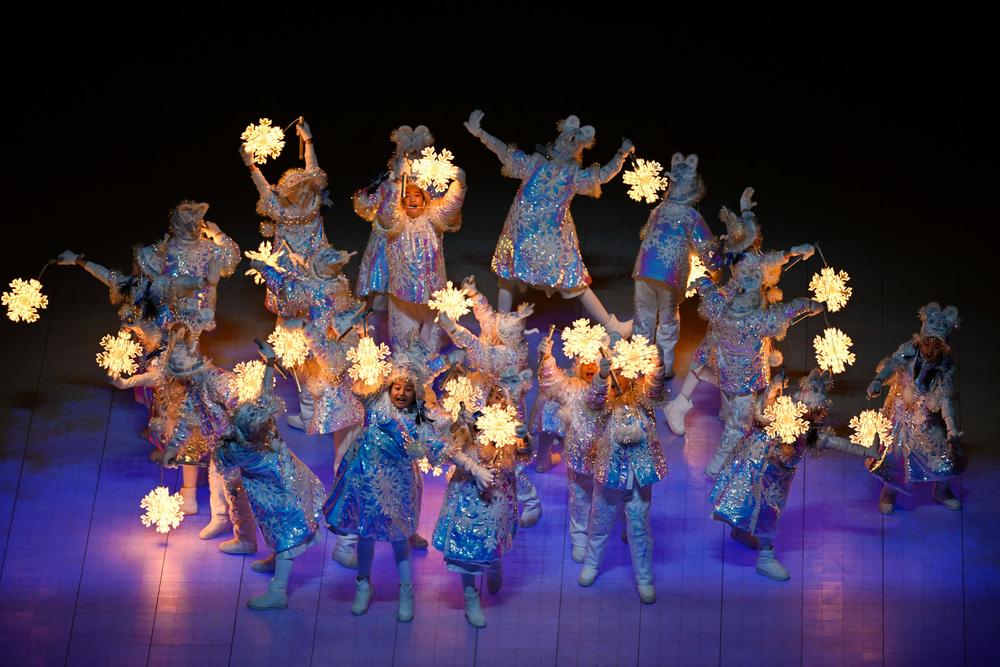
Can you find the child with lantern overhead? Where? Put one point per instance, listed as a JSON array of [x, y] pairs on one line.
[[478, 518], [376, 491], [569, 392], [499, 350], [627, 457], [752, 489], [924, 436], [538, 246], [284, 494]]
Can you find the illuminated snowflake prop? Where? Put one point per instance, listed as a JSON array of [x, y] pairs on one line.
[[786, 421], [497, 425], [869, 424], [434, 170], [24, 300], [831, 288], [426, 467], [248, 380], [461, 390], [451, 301], [263, 141], [119, 355], [163, 510], [265, 254], [646, 181], [698, 270], [583, 340], [635, 357], [369, 362], [833, 350], [290, 346]]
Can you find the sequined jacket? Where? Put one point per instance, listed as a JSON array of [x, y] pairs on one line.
[[626, 444], [671, 235], [373, 273], [740, 341], [580, 422], [284, 494], [324, 377], [414, 247]]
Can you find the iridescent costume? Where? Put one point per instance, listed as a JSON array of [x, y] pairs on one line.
[[920, 405], [627, 461], [538, 246], [373, 273], [376, 493], [569, 395], [324, 377], [674, 233]]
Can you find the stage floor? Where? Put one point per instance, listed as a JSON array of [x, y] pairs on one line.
[[82, 582]]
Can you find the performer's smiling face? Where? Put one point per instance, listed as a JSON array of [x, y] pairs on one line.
[[931, 348], [588, 371], [414, 201], [402, 393]]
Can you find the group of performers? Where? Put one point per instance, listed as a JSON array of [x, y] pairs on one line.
[[387, 429]]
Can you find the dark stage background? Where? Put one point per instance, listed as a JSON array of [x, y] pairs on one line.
[[871, 135]]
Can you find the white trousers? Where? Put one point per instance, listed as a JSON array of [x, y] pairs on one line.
[[581, 495], [603, 511], [657, 311]]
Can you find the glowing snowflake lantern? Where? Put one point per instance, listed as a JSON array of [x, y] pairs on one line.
[[458, 391], [24, 300], [434, 170], [263, 141], [645, 180], [265, 254], [633, 358], [451, 301], [867, 425], [833, 351], [831, 288], [583, 341], [248, 380], [290, 346], [369, 362], [785, 419], [119, 354], [163, 509], [698, 270], [498, 425]]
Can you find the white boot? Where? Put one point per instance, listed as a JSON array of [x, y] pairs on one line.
[[527, 495], [405, 613], [237, 546], [264, 564], [944, 496], [277, 591], [578, 554], [295, 421], [769, 566], [362, 596], [675, 411], [346, 551], [217, 526], [647, 593], [473, 609], [190, 496], [588, 574]]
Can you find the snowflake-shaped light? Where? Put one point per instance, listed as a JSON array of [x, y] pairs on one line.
[[831, 288], [426, 467], [119, 354], [248, 380], [434, 170], [833, 350], [290, 346], [451, 301], [265, 254], [786, 421], [869, 424], [24, 300], [645, 180], [498, 425], [698, 270], [369, 362], [163, 510], [635, 357], [263, 141], [461, 390], [583, 340]]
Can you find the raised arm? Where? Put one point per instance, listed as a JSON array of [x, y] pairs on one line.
[[147, 379], [551, 378], [305, 134], [780, 316], [105, 275], [263, 187], [446, 212], [611, 169], [597, 395]]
